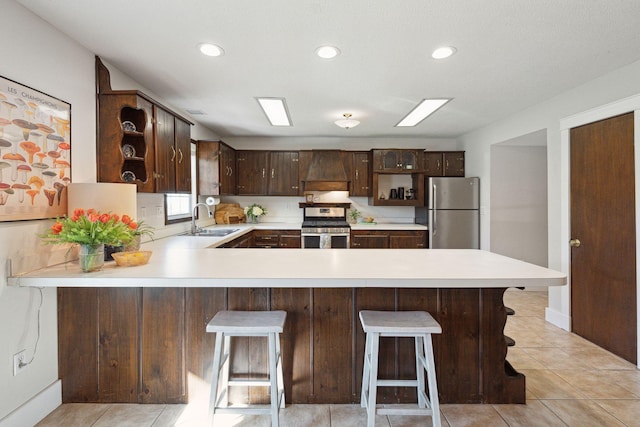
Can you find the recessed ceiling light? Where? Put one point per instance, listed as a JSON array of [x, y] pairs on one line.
[[422, 111], [327, 52], [276, 111], [443, 52], [210, 49]]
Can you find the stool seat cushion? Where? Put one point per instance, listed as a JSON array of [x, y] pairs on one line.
[[247, 322], [419, 322]]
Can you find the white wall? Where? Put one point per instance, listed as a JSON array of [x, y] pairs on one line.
[[619, 84], [286, 209], [37, 55], [34, 59], [518, 212]]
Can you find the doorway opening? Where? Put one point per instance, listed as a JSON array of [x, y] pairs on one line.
[[518, 199]]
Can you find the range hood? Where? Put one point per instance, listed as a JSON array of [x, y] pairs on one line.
[[323, 170]]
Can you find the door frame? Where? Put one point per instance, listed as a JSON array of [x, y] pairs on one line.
[[612, 109]]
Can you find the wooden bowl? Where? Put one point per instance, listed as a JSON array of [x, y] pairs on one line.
[[131, 259]]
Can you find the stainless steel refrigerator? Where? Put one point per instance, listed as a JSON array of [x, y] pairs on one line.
[[451, 212]]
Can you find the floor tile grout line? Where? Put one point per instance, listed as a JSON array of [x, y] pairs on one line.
[[102, 414]]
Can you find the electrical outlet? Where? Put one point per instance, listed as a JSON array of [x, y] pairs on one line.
[[143, 212], [159, 210], [19, 362]]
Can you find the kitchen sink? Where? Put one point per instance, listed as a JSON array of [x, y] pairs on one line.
[[213, 232]]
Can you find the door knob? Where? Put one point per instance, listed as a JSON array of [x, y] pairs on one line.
[[575, 243]]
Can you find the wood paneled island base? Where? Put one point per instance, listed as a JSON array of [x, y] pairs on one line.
[[149, 345]]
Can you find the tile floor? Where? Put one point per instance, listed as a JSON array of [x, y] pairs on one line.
[[570, 382]]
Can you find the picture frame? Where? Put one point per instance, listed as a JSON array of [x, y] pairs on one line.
[[35, 153], [309, 197]]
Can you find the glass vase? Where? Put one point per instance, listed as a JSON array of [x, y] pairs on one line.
[[91, 257], [134, 244]]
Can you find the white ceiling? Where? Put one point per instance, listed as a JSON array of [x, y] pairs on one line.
[[511, 54]]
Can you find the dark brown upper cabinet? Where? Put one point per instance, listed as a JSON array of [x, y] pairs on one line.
[[139, 140], [253, 167], [283, 173], [397, 160], [360, 174], [215, 168], [273, 173], [444, 163]]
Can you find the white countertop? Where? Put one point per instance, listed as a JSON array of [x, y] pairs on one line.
[[186, 261]]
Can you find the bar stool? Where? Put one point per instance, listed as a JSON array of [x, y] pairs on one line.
[[417, 324], [227, 324]]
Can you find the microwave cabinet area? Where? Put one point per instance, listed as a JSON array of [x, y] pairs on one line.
[[385, 189], [388, 239], [444, 163], [272, 173], [216, 168], [139, 141]]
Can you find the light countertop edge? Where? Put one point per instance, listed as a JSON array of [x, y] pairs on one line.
[[186, 261]]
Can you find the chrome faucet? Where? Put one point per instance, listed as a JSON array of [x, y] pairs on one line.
[[194, 228]]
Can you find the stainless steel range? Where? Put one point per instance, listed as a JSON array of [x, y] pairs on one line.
[[325, 226]]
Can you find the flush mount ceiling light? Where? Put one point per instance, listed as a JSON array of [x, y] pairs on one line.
[[327, 52], [422, 111], [443, 52], [210, 49], [276, 111], [347, 122]]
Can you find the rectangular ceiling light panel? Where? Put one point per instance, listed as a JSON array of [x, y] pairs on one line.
[[422, 111], [276, 111]]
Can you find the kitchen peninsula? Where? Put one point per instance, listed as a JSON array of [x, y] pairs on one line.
[[138, 334]]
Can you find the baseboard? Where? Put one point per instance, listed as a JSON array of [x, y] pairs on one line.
[[36, 409], [556, 318]]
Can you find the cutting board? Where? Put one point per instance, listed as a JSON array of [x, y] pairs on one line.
[[229, 213]]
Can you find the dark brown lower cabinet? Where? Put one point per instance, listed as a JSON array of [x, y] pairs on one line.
[[150, 346], [383, 239]]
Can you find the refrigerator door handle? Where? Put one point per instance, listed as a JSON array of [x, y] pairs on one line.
[[434, 210]]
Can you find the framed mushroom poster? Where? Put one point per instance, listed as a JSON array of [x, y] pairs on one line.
[[35, 153]]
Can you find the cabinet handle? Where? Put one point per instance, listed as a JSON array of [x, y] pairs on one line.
[[264, 173], [357, 173], [181, 155], [438, 164], [173, 154], [273, 173], [446, 164]]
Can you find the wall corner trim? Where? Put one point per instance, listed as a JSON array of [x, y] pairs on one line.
[[554, 317]]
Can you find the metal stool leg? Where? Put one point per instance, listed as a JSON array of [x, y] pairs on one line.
[[373, 380], [226, 363], [420, 367], [366, 372], [281, 396], [217, 356], [431, 379], [273, 375]]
